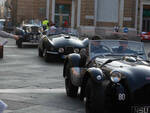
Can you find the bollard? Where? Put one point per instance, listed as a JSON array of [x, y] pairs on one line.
[[1, 51]]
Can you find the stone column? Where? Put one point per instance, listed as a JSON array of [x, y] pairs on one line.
[[53, 10], [73, 14], [78, 13], [47, 9]]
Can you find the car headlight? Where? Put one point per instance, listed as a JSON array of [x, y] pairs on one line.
[[40, 30], [61, 50], [29, 29], [76, 50], [115, 76]]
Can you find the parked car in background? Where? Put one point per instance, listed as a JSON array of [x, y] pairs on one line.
[[60, 42], [145, 36], [2, 22], [29, 32], [111, 80]]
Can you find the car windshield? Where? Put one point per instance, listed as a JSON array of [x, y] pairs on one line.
[[34, 22], [56, 31], [116, 48]]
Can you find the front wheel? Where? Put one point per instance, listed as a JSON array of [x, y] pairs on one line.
[[94, 98], [19, 43], [40, 53], [46, 55], [71, 90]]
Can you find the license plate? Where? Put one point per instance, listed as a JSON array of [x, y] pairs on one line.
[[146, 37], [140, 109]]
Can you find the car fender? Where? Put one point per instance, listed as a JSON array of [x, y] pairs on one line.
[[46, 43], [74, 61], [19, 31], [96, 74], [85, 42]]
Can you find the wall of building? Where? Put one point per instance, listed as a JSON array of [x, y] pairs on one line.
[[28, 9], [129, 13], [87, 13]]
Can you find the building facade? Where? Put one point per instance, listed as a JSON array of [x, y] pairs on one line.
[[28, 9], [90, 16]]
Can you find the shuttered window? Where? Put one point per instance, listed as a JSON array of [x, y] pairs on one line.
[[107, 10]]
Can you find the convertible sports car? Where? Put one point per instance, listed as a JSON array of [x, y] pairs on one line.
[[60, 42], [110, 80], [29, 32]]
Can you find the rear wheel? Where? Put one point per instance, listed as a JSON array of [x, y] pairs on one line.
[[71, 90]]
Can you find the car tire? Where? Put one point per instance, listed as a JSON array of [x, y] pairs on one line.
[[46, 55], [40, 52], [71, 90], [94, 102], [19, 43]]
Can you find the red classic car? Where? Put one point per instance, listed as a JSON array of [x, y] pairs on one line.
[[145, 36]]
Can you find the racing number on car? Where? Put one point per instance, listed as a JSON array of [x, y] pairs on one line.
[[121, 96]]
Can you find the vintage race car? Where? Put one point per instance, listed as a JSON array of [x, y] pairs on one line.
[[145, 36], [60, 42], [30, 32], [111, 79]]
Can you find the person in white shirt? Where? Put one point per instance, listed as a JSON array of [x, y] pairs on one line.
[[8, 35], [52, 30]]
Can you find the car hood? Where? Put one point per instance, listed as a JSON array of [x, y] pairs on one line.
[[137, 74], [70, 42]]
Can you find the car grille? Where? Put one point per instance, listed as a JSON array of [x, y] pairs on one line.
[[34, 29], [68, 50], [142, 95], [24, 28]]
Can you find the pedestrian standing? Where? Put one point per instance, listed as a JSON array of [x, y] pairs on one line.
[[65, 24], [45, 24]]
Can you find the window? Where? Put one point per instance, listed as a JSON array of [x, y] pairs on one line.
[[107, 10]]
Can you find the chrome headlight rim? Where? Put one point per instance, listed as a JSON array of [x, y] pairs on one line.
[[76, 50], [40, 30], [115, 76], [61, 50], [28, 29]]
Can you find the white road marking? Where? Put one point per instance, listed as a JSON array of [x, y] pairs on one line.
[[10, 46], [59, 90]]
